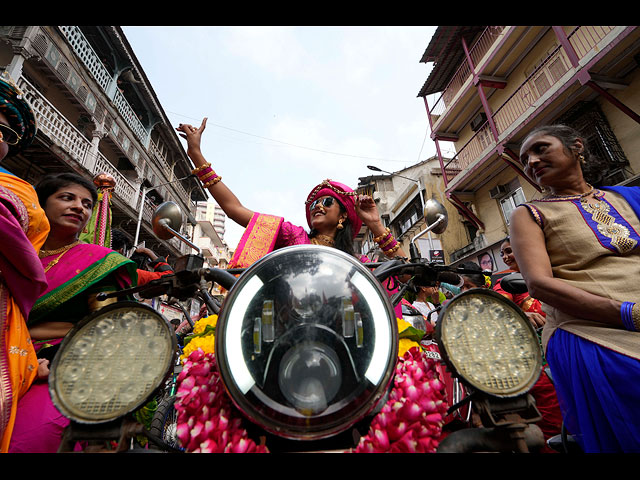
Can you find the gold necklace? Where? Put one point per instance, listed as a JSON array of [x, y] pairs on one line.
[[48, 253], [61, 251], [323, 240], [571, 197]]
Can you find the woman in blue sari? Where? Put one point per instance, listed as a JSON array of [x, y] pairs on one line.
[[578, 248]]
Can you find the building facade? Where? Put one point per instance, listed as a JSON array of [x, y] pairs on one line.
[[400, 198], [208, 234], [491, 85], [97, 113]]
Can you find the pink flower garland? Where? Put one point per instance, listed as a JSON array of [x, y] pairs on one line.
[[207, 420], [410, 422]]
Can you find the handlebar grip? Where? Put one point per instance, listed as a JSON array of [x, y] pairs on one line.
[[221, 277]]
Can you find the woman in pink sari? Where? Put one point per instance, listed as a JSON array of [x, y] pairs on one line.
[[75, 273], [334, 213]]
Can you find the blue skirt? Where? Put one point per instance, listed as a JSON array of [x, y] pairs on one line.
[[599, 393]]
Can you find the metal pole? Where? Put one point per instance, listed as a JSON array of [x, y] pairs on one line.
[[144, 194], [145, 190]]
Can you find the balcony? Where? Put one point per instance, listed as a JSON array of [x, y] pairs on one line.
[[90, 59], [551, 76], [62, 133], [85, 52], [463, 75]]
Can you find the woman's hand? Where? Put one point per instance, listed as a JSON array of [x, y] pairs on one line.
[[367, 210], [43, 368], [192, 135], [536, 319]]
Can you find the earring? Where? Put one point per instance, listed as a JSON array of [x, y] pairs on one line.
[[581, 158], [340, 226]]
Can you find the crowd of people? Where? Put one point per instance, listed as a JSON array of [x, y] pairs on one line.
[[576, 247]]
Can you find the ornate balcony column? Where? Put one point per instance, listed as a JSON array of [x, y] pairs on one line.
[[92, 155]]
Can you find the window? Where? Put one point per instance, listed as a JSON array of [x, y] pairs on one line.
[[510, 202], [409, 217]]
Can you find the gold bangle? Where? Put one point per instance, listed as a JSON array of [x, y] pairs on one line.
[[391, 239], [381, 237], [207, 175], [200, 168], [211, 183], [391, 251]]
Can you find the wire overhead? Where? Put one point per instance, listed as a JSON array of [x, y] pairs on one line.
[[294, 145]]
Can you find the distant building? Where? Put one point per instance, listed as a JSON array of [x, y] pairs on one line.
[[209, 234], [399, 197], [490, 85], [97, 113]]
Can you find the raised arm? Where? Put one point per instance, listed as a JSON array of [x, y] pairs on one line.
[[528, 243], [221, 193]]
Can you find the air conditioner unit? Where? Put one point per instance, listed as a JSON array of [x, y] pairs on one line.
[[478, 121], [498, 191]]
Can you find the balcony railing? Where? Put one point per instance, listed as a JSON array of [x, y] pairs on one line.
[[94, 65], [477, 52], [53, 124], [545, 78]]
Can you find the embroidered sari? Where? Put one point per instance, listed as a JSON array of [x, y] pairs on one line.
[[81, 272], [23, 230]]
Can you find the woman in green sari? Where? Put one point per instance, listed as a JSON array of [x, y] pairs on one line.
[[75, 273]]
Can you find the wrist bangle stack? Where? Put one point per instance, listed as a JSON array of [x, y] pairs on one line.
[[206, 175], [387, 243], [630, 314]]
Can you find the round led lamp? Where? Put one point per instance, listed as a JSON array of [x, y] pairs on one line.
[[111, 362], [490, 343], [307, 342]]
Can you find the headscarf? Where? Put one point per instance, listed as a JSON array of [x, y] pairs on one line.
[[15, 107], [345, 195]]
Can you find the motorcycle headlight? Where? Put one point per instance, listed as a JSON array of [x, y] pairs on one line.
[[306, 342], [490, 343], [111, 362]]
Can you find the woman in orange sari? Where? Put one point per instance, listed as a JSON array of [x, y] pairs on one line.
[[23, 230]]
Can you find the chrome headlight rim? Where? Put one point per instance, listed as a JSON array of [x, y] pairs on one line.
[[55, 390], [454, 364], [329, 423]]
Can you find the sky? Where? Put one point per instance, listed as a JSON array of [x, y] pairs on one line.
[[288, 107]]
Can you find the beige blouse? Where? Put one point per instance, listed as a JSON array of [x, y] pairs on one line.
[[596, 251]]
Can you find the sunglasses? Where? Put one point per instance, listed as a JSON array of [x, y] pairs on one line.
[[8, 135], [326, 202]]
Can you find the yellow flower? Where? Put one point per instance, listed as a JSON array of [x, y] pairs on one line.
[[202, 324], [402, 325], [206, 343], [405, 344]]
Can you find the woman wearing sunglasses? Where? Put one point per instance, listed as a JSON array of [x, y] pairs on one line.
[[334, 213]]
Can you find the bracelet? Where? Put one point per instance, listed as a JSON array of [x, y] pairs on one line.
[[627, 316], [393, 250], [200, 168], [389, 240], [383, 236], [207, 175], [211, 183], [635, 316]]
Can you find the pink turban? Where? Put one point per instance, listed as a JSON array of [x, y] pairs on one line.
[[345, 195]]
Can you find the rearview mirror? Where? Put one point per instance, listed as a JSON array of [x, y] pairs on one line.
[[166, 222], [434, 212]]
